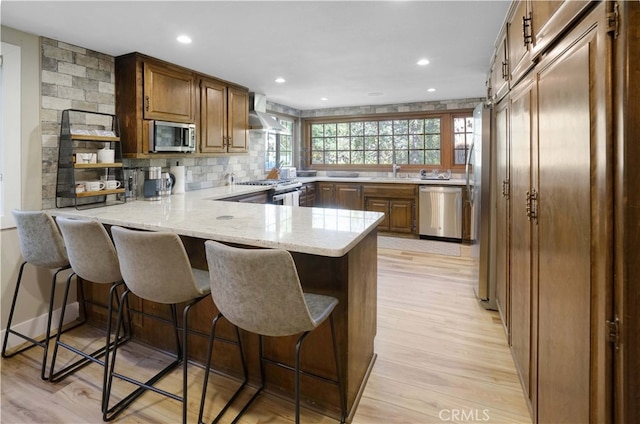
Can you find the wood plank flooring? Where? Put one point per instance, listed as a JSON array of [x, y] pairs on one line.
[[441, 358]]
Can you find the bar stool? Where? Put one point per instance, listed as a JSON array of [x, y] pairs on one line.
[[41, 245], [258, 290], [93, 258], [156, 268]]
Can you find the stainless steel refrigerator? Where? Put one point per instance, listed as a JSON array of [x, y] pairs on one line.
[[478, 179]]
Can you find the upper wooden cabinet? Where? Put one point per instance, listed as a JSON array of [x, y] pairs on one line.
[[499, 72], [532, 26], [224, 114], [150, 89], [169, 94]]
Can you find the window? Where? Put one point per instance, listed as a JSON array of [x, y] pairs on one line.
[[421, 140], [279, 149], [463, 137]]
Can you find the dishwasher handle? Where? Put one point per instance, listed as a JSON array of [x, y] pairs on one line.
[[441, 189]]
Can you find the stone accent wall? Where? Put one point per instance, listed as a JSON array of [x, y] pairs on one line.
[[394, 108]]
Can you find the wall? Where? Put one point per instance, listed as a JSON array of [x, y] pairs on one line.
[[35, 289]]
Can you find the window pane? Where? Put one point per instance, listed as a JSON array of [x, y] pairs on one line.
[[343, 158], [386, 142], [459, 156], [416, 157], [371, 143], [416, 126], [402, 156], [317, 130], [343, 129], [357, 143], [357, 128], [433, 142], [459, 141], [285, 143], [371, 128], [432, 125], [401, 142], [416, 141], [330, 158], [458, 125], [357, 157], [385, 127], [385, 157], [330, 143], [371, 157], [317, 144], [400, 127], [271, 160], [432, 157], [317, 157], [329, 130], [343, 143]]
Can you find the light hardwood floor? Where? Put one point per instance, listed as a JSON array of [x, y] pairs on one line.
[[441, 358]]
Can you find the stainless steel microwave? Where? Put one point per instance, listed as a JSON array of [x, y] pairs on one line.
[[171, 137]]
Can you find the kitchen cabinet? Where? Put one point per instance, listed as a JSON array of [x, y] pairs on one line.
[[532, 26], [339, 195], [553, 160], [397, 202], [224, 112], [308, 195], [501, 188], [78, 163], [499, 70], [169, 93], [150, 89]]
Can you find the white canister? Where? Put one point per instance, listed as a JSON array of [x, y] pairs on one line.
[[106, 155], [179, 174]]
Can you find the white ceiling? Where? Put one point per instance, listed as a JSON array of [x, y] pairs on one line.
[[351, 52]]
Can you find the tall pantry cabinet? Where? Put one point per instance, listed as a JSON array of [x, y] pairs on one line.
[[565, 135]]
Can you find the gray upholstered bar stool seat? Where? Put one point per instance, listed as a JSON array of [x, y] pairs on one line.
[[93, 258], [41, 245], [156, 268], [259, 291]]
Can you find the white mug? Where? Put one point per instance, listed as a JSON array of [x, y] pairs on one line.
[[94, 185], [79, 187], [112, 184], [106, 155]]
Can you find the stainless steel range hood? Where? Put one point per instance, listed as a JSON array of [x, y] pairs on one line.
[[259, 119]]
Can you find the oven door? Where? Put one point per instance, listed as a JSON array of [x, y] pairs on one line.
[[290, 198]]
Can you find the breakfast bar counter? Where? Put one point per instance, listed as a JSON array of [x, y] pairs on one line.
[[335, 252]]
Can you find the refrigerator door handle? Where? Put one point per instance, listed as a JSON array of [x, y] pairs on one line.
[[467, 176]]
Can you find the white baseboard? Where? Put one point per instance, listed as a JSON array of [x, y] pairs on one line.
[[37, 327]]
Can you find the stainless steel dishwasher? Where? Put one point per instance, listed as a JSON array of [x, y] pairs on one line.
[[440, 211]]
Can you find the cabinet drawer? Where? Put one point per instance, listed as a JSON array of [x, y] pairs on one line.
[[389, 190]]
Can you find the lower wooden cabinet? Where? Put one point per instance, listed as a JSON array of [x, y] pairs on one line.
[[397, 202], [339, 195], [308, 195]]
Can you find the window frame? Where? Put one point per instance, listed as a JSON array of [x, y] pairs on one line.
[[447, 145], [293, 121]]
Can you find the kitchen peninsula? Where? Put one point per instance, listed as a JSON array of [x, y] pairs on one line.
[[335, 252]]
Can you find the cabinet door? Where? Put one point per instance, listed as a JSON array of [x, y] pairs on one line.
[[310, 198], [213, 112], [348, 196], [520, 253], [573, 253], [325, 193], [519, 54], [500, 70], [238, 119], [379, 205], [502, 210], [169, 94], [401, 215]]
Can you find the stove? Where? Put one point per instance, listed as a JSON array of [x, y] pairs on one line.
[[278, 186]]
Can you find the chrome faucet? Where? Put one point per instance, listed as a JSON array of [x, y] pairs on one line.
[[395, 168]]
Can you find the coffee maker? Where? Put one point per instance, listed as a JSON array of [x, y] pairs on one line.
[[152, 183]]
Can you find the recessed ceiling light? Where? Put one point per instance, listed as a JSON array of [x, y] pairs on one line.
[[280, 80], [423, 62], [431, 90], [324, 99], [184, 39], [376, 94]]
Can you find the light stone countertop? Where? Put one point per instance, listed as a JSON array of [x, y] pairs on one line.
[[316, 231], [385, 180]]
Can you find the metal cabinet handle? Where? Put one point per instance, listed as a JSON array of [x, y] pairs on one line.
[[526, 30], [146, 103]]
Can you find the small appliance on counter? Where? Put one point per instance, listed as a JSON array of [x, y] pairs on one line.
[[287, 172], [152, 183]]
